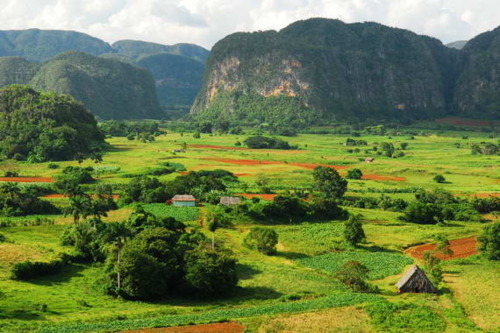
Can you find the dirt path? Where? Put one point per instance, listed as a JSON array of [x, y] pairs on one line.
[[27, 179], [462, 248], [230, 327]]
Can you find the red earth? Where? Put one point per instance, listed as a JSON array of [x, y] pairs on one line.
[[268, 197], [465, 122], [27, 179], [387, 178], [230, 327], [260, 162], [462, 248]]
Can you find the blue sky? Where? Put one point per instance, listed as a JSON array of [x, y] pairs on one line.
[[204, 22]]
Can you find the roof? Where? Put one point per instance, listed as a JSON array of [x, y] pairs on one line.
[[369, 159], [183, 197], [414, 270], [230, 200]]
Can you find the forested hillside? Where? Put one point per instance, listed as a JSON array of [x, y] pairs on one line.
[[41, 127], [339, 71]]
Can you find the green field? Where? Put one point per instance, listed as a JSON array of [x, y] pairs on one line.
[[274, 290]]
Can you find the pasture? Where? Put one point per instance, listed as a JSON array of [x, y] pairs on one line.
[[294, 289]]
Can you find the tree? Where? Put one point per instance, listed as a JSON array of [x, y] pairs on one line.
[[262, 182], [489, 241], [354, 174], [261, 239], [404, 145], [329, 182], [210, 272], [197, 135], [216, 219], [439, 179], [353, 274], [422, 213], [353, 231]]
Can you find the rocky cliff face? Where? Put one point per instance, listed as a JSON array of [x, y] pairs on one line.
[[336, 70], [477, 90]]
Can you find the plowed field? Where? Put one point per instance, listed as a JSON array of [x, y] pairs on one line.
[[462, 248], [230, 327]]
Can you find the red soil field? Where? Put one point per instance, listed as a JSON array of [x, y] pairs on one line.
[[236, 174], [462, 248], [258, 162], [268, 197], [387, 178], [465, 122], [27, 179], [230, 327]]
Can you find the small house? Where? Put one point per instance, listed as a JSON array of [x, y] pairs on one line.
[[230, 201], [184, 200], [369, 159], [415, 281]]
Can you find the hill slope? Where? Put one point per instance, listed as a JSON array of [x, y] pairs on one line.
[[40, 45], [45, 126], [109, 88], [478, 87], [322, 70]]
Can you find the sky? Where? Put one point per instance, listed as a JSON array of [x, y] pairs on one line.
[[204, 22]]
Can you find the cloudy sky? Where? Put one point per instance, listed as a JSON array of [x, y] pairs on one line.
[[204, 22]]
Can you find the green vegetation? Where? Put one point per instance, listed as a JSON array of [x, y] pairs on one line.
[[18, 201], [353, 230], [63, 128], [353, 275], [262, 142], [490, 241], [263, 240], [379, 264], [308, 253]]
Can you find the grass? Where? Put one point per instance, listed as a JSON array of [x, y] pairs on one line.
[[274, 290], [474, 283]]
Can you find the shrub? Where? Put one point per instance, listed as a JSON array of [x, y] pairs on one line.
[[354, 174], [439, 179], [262, 142], [210, 272], [422, 213], [353, 274], [28, 270], [490, 241], [263, 240], [353, 232]]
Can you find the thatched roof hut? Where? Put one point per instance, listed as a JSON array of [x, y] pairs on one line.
[[230, 201], [415, 281]]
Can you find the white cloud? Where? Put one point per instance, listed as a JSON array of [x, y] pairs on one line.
[[204, 22]]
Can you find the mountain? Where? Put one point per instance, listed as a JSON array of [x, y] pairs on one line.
[[136, 50], [40, 45], [109, 88], [177, 69], [45, 126], [477, 90], [178, 79], [459, 44], [322, 69]]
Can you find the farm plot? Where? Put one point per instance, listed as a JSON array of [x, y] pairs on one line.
[[380, 264], [182, 214]]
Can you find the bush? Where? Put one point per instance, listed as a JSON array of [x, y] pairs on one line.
[[439, 179], [353, 231], [261, 239], [490, 241], [29, 270], [262, 142], [354, 174], [353, 274], [210, 273], [422, 213]]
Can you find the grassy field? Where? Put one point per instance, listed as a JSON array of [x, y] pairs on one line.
[[274, 291]]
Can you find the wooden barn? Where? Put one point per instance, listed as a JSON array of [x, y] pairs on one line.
[[184, 200], [230, 201], [415, 281]]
